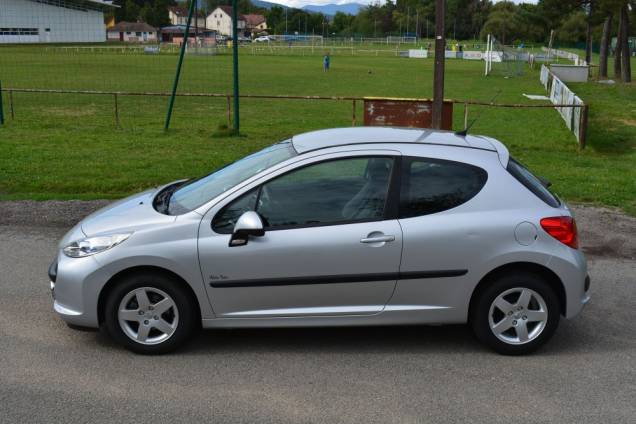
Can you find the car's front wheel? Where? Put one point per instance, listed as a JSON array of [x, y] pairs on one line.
[[515, 314], [149, 313]]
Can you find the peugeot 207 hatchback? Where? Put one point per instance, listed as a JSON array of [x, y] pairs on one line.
[[341, 227]]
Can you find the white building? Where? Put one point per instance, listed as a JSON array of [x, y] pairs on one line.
[[52, 21], [132, 32], [179, 16], [220, 20]]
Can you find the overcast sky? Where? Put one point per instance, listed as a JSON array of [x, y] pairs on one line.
[[301, 3]]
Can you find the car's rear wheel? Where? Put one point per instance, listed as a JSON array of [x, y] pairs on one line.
[[515, 314], [149, 313]]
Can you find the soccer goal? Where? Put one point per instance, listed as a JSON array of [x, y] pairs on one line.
[[503, 60]]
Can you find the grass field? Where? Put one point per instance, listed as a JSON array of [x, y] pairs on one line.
[[67, 146]]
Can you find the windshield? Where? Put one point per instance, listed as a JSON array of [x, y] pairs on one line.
[[197, 192]]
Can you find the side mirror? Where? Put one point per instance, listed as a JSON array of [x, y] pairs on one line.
[[249, 224]]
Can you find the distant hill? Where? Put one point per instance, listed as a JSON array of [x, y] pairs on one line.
[[327, 9], [266, 4], [332, 9]]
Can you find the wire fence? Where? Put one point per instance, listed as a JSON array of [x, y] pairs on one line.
[[86, 87], [569, 109]]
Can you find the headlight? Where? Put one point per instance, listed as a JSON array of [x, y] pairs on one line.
[[92, 245]]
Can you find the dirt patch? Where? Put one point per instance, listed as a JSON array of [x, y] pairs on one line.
[[602, 231], [628, 122], [73, 112], [606, 232]]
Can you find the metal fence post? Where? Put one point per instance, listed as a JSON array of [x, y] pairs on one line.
[[583, 127], [11, 104], [229, 111], [353, 115], [465, 115], [116, 110], [1, 110]]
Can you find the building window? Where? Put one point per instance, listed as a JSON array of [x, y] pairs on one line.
[[19, 31], [138, 34]]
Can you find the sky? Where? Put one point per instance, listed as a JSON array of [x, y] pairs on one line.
[[301, 3]]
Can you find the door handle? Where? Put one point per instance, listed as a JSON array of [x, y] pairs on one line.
[[378, 239]]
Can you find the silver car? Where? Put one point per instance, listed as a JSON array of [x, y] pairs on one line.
[[340, 227]]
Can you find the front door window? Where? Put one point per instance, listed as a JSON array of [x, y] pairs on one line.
[[328, 193]]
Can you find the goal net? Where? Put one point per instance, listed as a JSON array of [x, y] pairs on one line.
[[503, 60]]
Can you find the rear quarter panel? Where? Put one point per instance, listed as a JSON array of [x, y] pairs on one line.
[[477, 236]]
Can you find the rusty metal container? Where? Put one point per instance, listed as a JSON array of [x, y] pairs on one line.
[[390, 112]]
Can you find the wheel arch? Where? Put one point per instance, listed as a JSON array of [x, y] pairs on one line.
[[515, 267], [144, 269]]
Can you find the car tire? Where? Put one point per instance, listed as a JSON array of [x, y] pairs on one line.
[[515, 314], [150, 313]]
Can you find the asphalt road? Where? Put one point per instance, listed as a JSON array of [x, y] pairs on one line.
[[50, 373]]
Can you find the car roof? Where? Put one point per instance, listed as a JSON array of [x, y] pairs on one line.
[[321, 139]]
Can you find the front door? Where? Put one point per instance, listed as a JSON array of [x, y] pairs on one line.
[[329, 247]]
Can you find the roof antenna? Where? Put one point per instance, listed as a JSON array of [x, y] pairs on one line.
[[464, 132]]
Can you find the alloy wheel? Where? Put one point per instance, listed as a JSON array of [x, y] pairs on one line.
[[518, 316], [148, 315]]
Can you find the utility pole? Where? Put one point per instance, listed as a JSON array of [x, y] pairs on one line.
[[438, 77], [177, 75], [550, 44], [196, 26], [417, 15], [235, 47], [285, 19]]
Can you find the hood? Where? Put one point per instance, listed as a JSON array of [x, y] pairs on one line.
[[130, 214]]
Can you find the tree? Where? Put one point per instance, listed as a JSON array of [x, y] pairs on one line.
[[624, 37], [605, 44], [500, 22], [342, 23], [618, 51], [574, 28], [128, 11]]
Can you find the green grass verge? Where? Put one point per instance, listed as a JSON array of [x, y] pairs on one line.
[[67, 146]]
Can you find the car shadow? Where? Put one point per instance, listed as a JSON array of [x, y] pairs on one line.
[[421, 339], [570, 339], [385, 339]]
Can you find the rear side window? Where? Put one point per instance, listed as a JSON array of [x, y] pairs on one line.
[[435, 185], [532, 183]]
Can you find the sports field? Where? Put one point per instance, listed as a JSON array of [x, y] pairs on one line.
[[67, 146]]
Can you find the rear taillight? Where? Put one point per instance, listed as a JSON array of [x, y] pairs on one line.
[[562, 228]]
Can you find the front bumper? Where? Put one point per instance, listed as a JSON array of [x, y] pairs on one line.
[[75, 285]]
